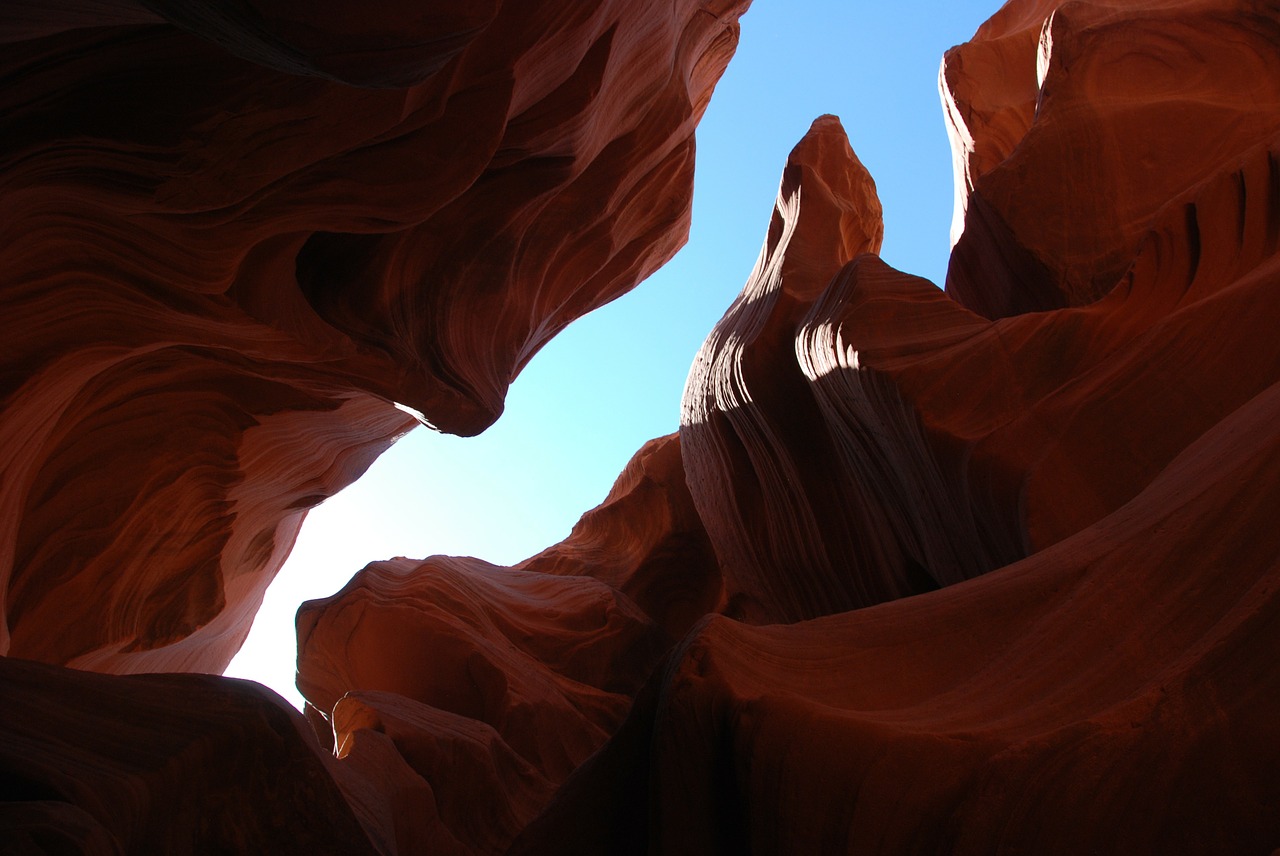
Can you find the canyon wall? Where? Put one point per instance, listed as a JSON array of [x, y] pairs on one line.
[[984, 570], [233, 241]]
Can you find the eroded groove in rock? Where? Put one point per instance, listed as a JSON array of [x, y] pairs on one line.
[[1029, 521], [1104, 695], [229, 248]]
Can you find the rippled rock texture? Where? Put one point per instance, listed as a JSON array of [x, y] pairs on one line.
[[989, 570], [233, 235], [991, 580], [1086, 488], [490, 686], [1073, 124]]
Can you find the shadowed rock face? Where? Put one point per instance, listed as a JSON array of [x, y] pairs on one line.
[[1104, 695], [162, 764], [231, 241], [921, 572], [1133, 103], [490, 686], [757, 460]]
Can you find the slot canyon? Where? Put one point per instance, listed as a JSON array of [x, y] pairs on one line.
[[982, 566]]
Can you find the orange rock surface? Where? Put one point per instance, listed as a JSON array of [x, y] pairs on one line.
[[1060, 660], [1113, 693], [486, 687], [231, 242], [910, 444], [1074, 123], [990, 570]]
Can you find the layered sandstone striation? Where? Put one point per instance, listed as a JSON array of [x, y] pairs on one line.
[[1110, 694], [1133, 103], [989, 570], [487, 686], [1104, 694], [1032, 548], [233, 240]]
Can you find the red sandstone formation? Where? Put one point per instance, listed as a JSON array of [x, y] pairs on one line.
[[808, 489], [647, 541], [497, 683], [1115, 693], [1132, 103], [1105, 694], [175, 764], [936, 445], [231, 244], [852, 436], [922, 571], [1111, 693]]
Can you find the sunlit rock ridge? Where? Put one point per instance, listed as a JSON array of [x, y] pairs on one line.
[[989, 569]]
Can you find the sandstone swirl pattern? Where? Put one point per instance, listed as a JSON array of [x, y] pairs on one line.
[[989, 570], [227, 254]]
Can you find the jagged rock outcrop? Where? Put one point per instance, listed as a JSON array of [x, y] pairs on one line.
[[232, 240]]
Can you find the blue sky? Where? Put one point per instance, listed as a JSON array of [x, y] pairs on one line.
[[614, 379]]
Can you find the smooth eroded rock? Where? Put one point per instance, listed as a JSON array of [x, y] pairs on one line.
[[1109, 694], [162, 764], [479, 690], [232, 242], [1074, 123]]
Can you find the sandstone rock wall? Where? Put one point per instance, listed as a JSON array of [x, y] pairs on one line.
[[990, 570], [232, 241], [1060, 173]]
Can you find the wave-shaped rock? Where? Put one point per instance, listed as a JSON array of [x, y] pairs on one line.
[[989, 570], [498, 683], [1074, 123], [232, 241], [647, 541], [759, 464], [1110, 694], [1056, 662]]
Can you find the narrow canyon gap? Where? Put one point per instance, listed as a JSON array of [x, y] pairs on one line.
[[988, 569]]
